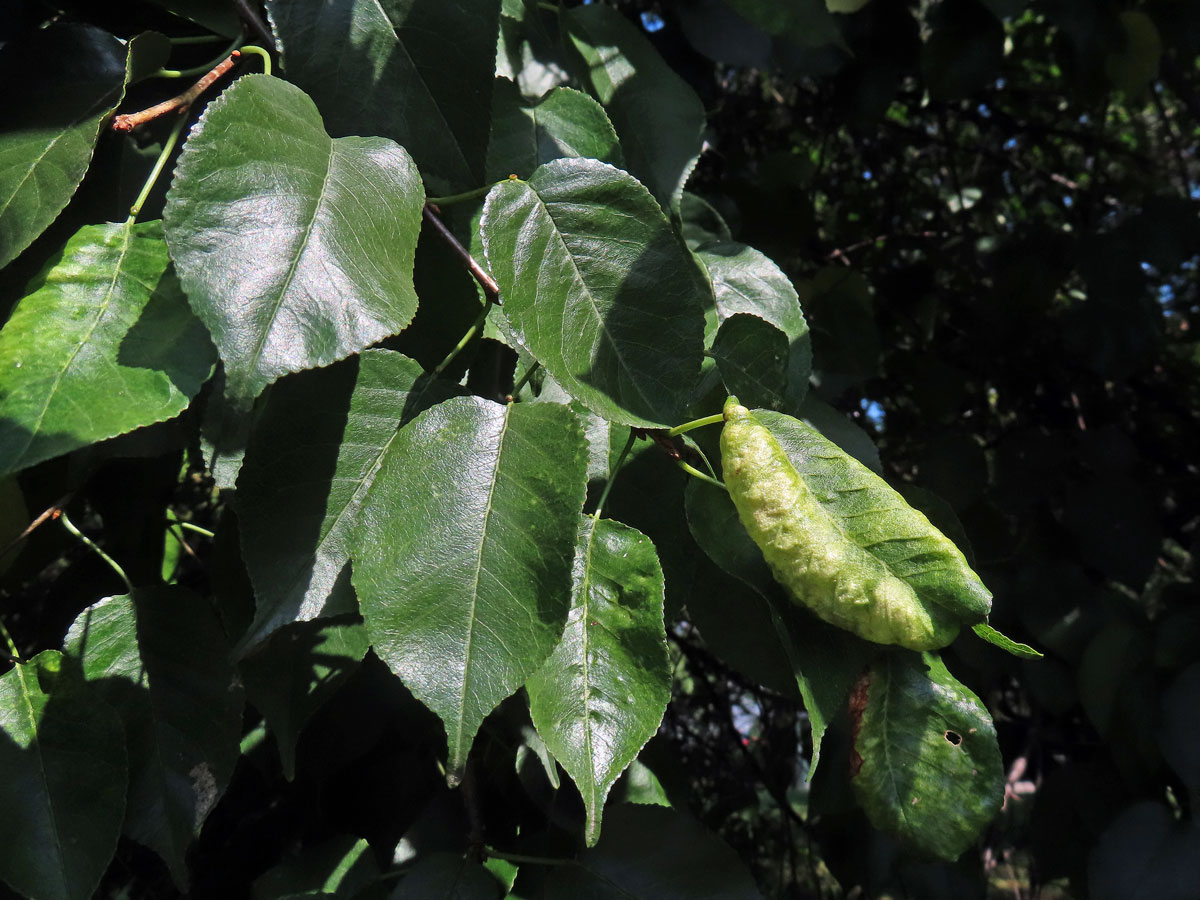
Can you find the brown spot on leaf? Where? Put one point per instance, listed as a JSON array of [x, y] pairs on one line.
[[858, 703]]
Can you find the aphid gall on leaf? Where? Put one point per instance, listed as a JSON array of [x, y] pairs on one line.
[[808, 552]]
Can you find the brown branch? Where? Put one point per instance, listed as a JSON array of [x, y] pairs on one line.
[[481, 275], [129, 121], [52, 512]]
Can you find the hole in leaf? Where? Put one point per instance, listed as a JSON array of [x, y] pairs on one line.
[[954, 737]]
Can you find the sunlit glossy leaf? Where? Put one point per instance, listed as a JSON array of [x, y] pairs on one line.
[[62, 753], [314, 452], [160, 658], [527, 133], [925, 765], [658, 117], [462, 556], [296, 250], [653, 853], [71, 78], [417, 71], [601, 694], [602, 291], [103, 343]]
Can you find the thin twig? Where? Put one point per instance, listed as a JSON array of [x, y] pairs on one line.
[[485, 280], [51, 512], [254, 20], [92, 545], [180, 102]]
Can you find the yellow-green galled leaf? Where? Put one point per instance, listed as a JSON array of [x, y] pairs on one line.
[[657, 115], [51, 122], [296, 249], [602, 693], [463, 552], [62, 755], [840, 540], [417, 71], [766, 633], [102, 343], [603, 293], [160, 658], [925, 763]]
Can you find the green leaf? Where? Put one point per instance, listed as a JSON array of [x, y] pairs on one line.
[[417, 71], [313, 455], [1135, 66], [658, 117], [824, 661], [602, 693], [160, 658], [462, 557], [751, 355], [295, 250], [996, 639], [212, 14], [563, 124], [51, 124], [63, 791], [925, 766], [653, 853], [103, 343], [700, 223], [300, 668], [746, 281], [447, 876], [601, 290], [839, 428], [1179, 732], [874, 516], [845, 6], [804, 22]]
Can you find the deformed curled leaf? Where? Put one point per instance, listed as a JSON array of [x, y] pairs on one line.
[[840, 540]]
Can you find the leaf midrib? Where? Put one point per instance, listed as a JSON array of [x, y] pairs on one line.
[[425, 86], [460, 725], [591, 299], [101, 309], [256, 355]]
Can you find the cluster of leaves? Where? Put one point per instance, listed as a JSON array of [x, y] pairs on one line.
[[335, 418]]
